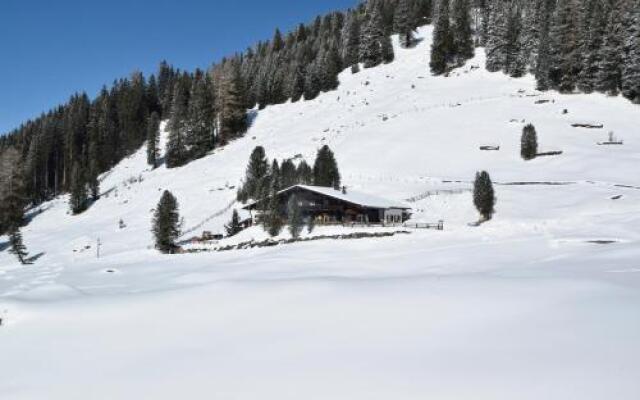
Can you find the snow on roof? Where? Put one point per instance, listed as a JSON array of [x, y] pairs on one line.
[[351, 196]]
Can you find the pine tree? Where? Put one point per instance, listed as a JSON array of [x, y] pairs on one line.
[[313, 82], [351, 43], [78, 199], [297, 85], [233, 113], [462, 34], [332, 66], [403, 24], [372, 34], [275, 177], [442, 46], [515, 56], [153, 139], [543, 60], [496, 44], [234, 227], [288, 174], [201, 117], [12, 191], [611, 56], [166, 223], [388, 54], [277, 43], [304, 174], [529, 143], [564, 49], [294, 217], [17, 246], [631, 70], [325, 169], [592, 33], [484, 195], [176, 151]]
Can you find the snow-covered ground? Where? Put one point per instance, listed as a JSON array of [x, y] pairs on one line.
[[541, 303]]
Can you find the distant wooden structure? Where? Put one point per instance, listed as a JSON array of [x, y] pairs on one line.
[[490, 148], [587, 126]]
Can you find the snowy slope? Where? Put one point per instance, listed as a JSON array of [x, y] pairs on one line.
[[531, 305]]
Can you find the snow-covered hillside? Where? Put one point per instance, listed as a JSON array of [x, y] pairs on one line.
[[541, 303]]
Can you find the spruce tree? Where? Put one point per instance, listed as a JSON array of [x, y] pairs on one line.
[[611, 55], [403, 24], [496, 44], [351, 41], [153, 139], [288, 174], [388, 54], [176, 151], [564, 47], [200, 138], [275, 177], [232, 114], [304, 174], [631, 70], [313, 82], [372, 34], [442, 46], [234, 227], [294, 217], [592, 33], [462, 34], [17, 245], [166, 223], [543, 60], [529, 143], [484, 196], [12, 191], [79, 195], [325, 169], [256, 174], [515, 62]]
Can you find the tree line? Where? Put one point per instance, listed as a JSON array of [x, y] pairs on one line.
[[569, 45]]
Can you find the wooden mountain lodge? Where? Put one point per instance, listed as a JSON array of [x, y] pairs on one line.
[[330, 206]]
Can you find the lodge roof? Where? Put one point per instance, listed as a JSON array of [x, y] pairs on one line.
[[351, 196]]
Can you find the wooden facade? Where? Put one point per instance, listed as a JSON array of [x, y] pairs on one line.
[[328, 206]]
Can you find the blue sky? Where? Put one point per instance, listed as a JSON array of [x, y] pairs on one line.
[[51, 49]]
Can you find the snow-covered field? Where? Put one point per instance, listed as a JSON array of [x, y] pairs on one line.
[[541, 303]]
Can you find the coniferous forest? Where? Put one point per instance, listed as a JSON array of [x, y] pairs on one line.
[[569, 45]]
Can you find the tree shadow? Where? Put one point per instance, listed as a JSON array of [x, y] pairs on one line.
[[33, 259], [252, 115], [33, 214]]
